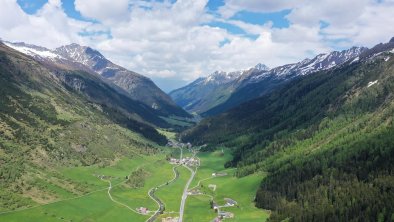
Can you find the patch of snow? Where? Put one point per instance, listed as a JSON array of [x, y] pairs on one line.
[[387, 58], [355, 59], [33, 52], [372, 83]]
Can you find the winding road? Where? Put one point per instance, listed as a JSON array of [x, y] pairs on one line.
[[115, 201], [152, 195]]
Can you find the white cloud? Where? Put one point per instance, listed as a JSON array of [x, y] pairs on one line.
[[49, 27], [373, 25], [233, 6], [107, 11], [335, 12], [166, 40]]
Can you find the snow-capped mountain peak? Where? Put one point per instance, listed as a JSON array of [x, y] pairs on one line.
[[220, 77], [35, 51], [322, 61], [83, 54]]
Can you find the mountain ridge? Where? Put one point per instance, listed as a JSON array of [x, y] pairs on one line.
[[257, 81], [76, 57]]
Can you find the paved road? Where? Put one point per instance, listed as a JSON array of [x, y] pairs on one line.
[[184, 195]]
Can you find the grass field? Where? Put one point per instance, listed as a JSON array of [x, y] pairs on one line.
[[95, 205], [241, 190]]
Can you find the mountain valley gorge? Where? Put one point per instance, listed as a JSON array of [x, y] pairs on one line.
[[85, 139]]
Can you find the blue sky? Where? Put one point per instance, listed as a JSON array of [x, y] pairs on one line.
[[278, 19], [174, 42]]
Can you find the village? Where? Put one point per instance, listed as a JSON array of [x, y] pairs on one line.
[[193, 161], [188, 161]]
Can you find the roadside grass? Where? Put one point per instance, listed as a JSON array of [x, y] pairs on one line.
[[88, 175], [93, 207], [211, 162], [198, 209], [159, 172], [171, 194], [241, 190], [97, 206]]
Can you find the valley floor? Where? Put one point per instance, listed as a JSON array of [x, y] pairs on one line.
[[112, 198]]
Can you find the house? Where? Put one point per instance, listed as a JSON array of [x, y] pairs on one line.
[[194, 192], [174, 161], [230, 202], [215, 206], [224, 214], [142, 210]]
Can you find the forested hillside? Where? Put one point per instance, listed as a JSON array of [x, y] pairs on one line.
[[52, 118], [326, 141]]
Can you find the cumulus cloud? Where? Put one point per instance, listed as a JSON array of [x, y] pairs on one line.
[[107, 11], [373, 24], [233, 6], [50, 26], [169, 40]]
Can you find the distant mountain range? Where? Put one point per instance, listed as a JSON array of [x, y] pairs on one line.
[[76, 57], [222, 91]]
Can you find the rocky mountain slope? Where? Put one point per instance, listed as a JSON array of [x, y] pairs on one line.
[[76, 57], [51, 118], [325, 141], [205, 93], [253, 83]]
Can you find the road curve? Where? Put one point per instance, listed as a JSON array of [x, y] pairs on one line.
[[152, 195]]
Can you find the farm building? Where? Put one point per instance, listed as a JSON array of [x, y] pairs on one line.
[[215, 206], [223, 214], [194, 192], [174, 161], [230, 202], [142, 210]]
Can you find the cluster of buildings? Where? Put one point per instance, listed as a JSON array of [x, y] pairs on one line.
[[223, 214], [189, 161]]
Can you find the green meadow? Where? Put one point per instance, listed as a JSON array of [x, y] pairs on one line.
[[241, 190], [94, 203]]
